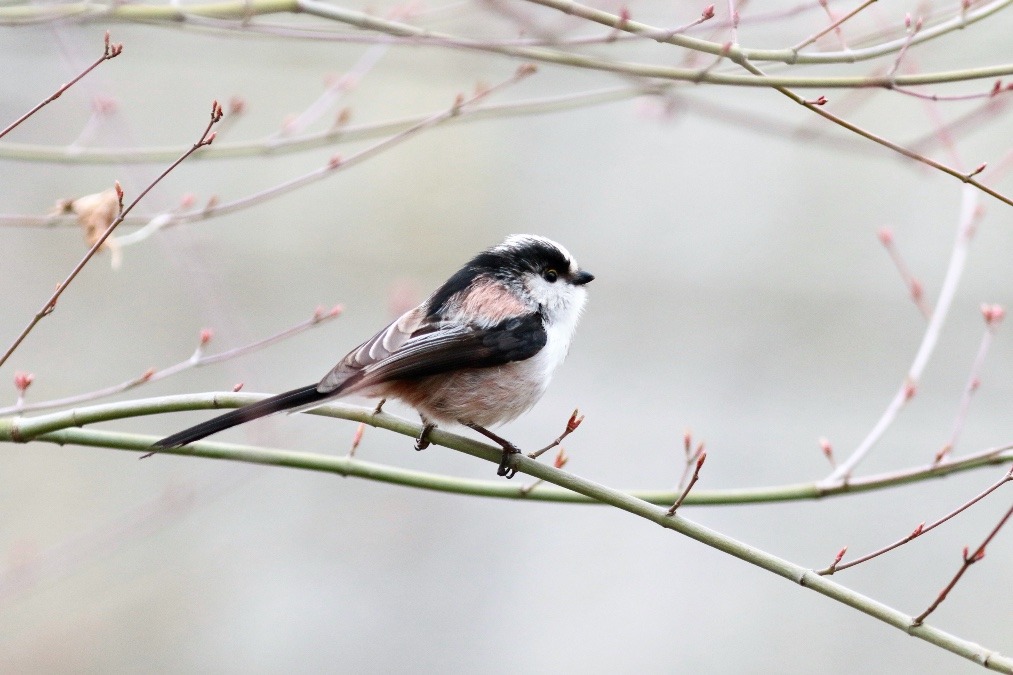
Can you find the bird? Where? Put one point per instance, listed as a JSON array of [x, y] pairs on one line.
[[480, 351]]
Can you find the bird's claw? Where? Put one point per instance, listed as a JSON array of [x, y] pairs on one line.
[[506, 467], [422, 442]]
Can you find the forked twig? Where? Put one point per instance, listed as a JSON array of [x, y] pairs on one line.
[[111, 52], [921, 529], [206, 138], [969, 559]]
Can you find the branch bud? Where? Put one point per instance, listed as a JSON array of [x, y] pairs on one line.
[[993, 314], [23, 380]]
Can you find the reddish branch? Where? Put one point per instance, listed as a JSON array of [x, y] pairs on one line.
[[111, 52], [914, 285], [969, 559], [571, 425], [692, 482], [206, 138], [993, 315], [921, 529], [196, 360]]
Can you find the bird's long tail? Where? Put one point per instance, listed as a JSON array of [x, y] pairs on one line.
[[297, 398]]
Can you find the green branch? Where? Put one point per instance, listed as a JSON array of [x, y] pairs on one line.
[[54, 428], [310, 141], [58, 428]]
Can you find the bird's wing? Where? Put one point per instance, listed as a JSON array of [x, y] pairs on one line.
[[431, 349]]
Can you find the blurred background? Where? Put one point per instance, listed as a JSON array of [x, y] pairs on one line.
[[741, 292]]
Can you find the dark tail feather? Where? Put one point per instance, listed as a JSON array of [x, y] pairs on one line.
[[289, 399]]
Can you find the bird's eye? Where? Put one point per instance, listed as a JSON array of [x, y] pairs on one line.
[[550, 275]]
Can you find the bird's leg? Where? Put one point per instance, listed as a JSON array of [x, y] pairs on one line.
[[506, 467], [422, 442], [379, 406]]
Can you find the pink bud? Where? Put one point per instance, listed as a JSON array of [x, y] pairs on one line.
[[993, 314], [910, 389], [840, 555], [147, 374], [187, 200], [708, 12], [885, 236], [918, 530], [23, 380], [828, 450], [237, 105], [237, 386], [334, 162], [206, 335]]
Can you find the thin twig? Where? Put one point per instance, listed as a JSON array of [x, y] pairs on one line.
[[692, 481], [908, 388], [334, 165], [206, 138], [993, 315], [915, 288], [111, 52], [197, 360], [969, 560], [921, 529], [835, 26], [571, 425]]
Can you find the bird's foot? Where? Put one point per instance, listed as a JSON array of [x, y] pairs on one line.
[[379, 406], [422, 442], [506, 467], [506, 464]]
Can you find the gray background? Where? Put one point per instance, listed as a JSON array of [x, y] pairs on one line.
[[740, 292]]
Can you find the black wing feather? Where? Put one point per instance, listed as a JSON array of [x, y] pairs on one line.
[[449, 349]]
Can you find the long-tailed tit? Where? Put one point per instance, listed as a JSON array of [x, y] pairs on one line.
[[479, 351]]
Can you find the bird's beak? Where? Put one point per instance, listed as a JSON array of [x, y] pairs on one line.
[[581, 278]]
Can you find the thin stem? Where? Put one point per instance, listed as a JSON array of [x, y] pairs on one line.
[[206, 138], [273, 145], [335, 164], [922, 528], [692, 481], [197, 360], [834, 26], [969, 560], [951, 281], [111, 51]]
